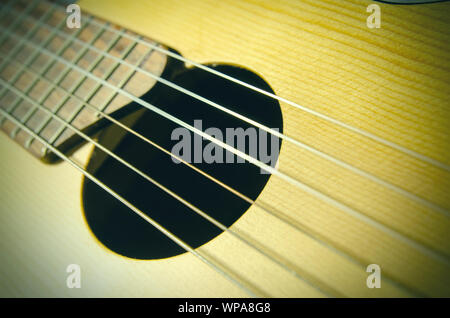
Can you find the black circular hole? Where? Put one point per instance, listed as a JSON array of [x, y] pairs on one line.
[[124, 232]]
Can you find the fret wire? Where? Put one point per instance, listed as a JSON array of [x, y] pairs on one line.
[[4, 12], [20, 44], [275, 213], [124, 55], [235, 234], [297, 183], [20, 16], [22, 40], [93, 65], [308, 110], [187, 92], [30, 59], [208, 260], [49, 64], [80, 54], [325, 156], [123, 82]]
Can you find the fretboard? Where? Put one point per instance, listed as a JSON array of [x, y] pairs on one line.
[[45, 67]]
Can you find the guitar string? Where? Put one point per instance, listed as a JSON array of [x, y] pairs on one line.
[[276, 214], [69, 39], [21, 65], [102, 53], [208, 260], [28, 34], [79, 83], [345, 165], [326, 198], [237, 282], [308, 110], [30, 60], [195, 209], [33, 4], [303, 108], [262, 250], [357, 130], [61, 77], [173, 238]]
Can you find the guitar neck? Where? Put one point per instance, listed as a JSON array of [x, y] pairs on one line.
[[45, 67]]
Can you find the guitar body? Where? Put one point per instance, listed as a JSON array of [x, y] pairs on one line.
[[392, 82]]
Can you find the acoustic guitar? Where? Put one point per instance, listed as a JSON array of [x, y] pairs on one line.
[[228, 148]]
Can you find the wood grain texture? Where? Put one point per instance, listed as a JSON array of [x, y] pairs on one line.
[[391, 81]]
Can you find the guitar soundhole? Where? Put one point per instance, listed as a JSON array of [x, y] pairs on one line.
[[124, 232]]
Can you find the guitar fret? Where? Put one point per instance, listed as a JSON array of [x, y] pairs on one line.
[[33, 121], [21, 43], [52, 63], [62, 76], [81, 52], [5, 100], [109, 101], [99, 90], [141, 58], [42, 70], [19, 18], [100, 93], [21, 110], [28, 63], [84, 91], [70, 73], [80, 106], [13, 80]]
